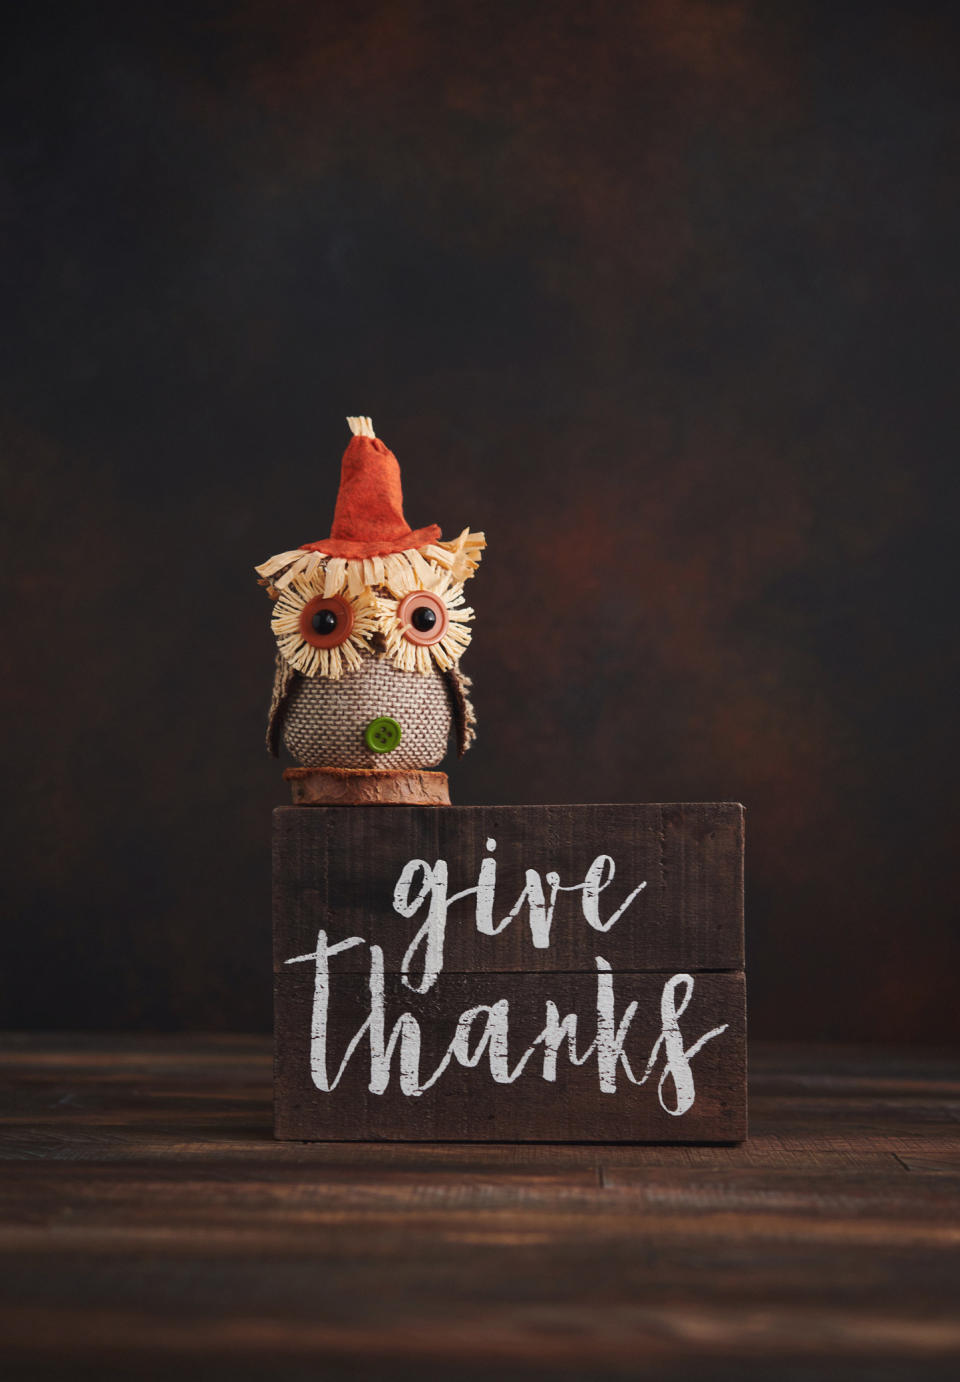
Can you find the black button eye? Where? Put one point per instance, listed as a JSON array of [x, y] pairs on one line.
[[423, 619], [324, 621]]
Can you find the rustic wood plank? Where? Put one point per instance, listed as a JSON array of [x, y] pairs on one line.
[[474, 1103], [669, 1341], [157, 1244], [579, 895], [96, 1201], [337, 869], [103, 1098], [942, 1163]]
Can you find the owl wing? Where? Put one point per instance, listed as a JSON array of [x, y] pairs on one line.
[[464, 718], [282, 679]]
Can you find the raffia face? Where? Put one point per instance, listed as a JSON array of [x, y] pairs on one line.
[[301, 654], [375, 588], [447, 650]]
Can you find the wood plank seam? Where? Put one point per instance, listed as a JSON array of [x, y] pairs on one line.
[[359, 872]]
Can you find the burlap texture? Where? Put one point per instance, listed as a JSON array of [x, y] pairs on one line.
[[324, 720], [464, 718], [282, 679]]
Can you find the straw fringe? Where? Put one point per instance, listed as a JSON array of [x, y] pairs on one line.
[[460, 558], [303, 656], [375, 586], [414, 657], [360, 426], [335, 576]]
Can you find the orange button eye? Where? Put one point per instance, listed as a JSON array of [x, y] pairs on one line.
[[326, 623], [424, 618]]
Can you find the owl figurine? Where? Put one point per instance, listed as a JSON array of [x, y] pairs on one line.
[[370, 626]]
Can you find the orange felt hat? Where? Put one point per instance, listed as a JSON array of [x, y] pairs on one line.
[[368, 520]]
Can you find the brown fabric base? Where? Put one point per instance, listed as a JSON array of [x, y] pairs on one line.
[[366, 787]]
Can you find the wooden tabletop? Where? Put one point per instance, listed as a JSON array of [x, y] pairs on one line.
[[152, 1228]]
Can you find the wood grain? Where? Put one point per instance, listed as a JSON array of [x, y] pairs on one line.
[[367, 787], [337, 869], [675, 870], [151, 1227], [466, 1104]]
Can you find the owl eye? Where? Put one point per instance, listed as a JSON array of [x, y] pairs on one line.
[[326, 622], [322, 634], [424, 627], [423, 618]]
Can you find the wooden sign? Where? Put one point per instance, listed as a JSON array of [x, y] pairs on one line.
[[510, 973]]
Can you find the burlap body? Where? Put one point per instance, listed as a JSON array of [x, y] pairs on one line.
[[324, 720]]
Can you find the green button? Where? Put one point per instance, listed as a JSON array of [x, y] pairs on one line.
[[382, 734]]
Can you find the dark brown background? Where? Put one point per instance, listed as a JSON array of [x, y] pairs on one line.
[[662, 295]]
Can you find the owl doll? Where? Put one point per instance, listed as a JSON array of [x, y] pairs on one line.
[[370, 625]]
